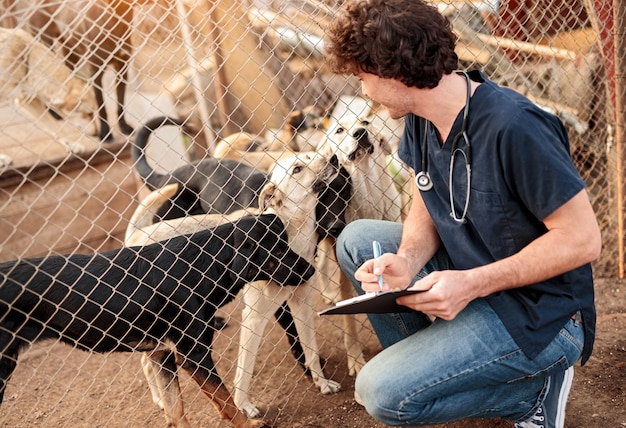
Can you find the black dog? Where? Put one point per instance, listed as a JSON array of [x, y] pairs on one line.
[[146, 298], [208, 186]]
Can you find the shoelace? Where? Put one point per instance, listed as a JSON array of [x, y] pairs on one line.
[[536, 421]]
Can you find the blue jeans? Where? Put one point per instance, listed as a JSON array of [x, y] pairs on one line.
[[436, 372]]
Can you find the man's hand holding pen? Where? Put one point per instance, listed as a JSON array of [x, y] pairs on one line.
[[447, 291]]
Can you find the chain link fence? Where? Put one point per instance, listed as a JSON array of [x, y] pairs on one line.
[[243, 80]]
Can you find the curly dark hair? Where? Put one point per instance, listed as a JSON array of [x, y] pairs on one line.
[[407, 40]]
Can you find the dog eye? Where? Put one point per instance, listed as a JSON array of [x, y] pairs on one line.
[[297, 169], [365, 122], [339, 130]]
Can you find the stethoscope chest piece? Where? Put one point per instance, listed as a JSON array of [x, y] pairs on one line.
[[423, 181]]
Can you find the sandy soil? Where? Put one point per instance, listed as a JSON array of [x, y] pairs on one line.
[[57, 386]]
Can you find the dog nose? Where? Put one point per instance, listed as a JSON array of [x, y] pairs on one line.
[[359, 133], [336, 228], [334, 161]]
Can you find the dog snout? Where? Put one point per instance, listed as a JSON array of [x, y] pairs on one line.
[[328, 174], [364, 145], [359, 134], [334, 161], [336, 228], [330, 225], [318, 186], [293, 270]]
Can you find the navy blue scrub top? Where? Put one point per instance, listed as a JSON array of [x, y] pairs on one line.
[[521, 173]]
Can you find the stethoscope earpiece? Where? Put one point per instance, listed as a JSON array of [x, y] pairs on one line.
[[423, 181]]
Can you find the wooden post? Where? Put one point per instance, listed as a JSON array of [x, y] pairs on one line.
[[601, 16], [619, 26], [192, 61]]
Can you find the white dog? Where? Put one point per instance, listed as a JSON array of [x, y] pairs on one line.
[[292, 195], [362, 150], [40, 83]]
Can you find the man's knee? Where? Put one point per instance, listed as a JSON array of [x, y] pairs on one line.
[[373, 392], [346, 245]]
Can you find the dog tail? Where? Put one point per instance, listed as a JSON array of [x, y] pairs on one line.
[[152, 178], [144, 213]]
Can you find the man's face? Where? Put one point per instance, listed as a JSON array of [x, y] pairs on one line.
[[390, 93]]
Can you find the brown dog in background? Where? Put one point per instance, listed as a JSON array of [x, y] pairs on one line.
[[93, 34], [40, 83]]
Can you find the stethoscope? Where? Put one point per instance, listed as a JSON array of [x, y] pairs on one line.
[[423, 180]]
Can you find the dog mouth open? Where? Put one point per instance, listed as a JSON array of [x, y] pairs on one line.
[[327, 175], [364, 144]]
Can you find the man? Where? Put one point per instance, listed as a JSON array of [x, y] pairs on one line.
[[499, 237]]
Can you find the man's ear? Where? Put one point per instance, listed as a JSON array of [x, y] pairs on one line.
[[270, 197]]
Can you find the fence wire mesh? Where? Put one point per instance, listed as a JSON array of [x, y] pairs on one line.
[[83, 83]]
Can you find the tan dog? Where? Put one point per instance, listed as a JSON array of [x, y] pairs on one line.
[[303, 130], [292, 195], [40, 83], [93, 34], [246, 148], [361, 149]]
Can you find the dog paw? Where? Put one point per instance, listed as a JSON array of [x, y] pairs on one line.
[[5, 162], [355, 365], [328, 386], [72, 147], [249, 410]]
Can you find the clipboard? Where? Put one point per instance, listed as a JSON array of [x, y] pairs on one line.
[[380, 302]]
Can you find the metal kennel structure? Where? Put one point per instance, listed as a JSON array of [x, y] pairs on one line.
[[228, 66]]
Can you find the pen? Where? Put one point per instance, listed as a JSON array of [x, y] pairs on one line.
[[377, 254]]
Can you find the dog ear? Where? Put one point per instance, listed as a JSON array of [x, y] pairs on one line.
[[270, 197]]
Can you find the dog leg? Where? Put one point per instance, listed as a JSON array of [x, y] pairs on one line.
[[285, 319], [105, 130], [328, 279], [354, 351], [159, 367], [44, 121], [150, 372], [120, 89], [213, 387], [301, 304], [5, 162], [8, 358], [261, 300], [335, 286]]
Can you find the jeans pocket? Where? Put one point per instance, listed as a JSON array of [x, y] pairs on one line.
[[560, 364], [574, 335]]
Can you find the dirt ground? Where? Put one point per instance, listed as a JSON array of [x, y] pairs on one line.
[[57, 386]]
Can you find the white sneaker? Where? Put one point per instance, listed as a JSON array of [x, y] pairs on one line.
[[358, 399], [551, 413]]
